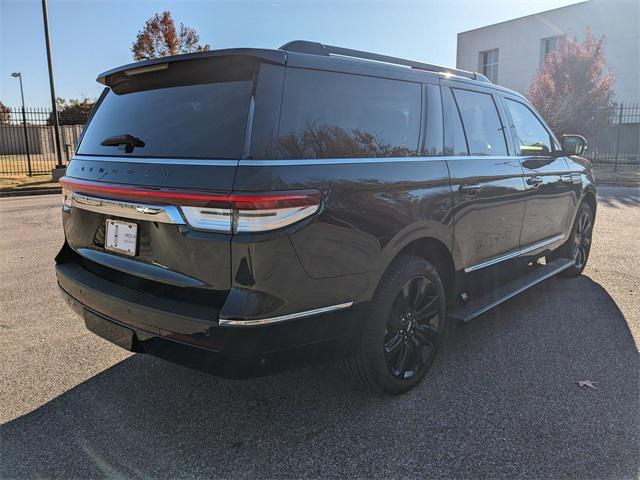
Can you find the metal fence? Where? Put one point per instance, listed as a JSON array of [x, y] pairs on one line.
[[27, 145], [617, 144], [27, 141]]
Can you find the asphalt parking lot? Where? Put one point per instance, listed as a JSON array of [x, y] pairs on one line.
[[500, 401]]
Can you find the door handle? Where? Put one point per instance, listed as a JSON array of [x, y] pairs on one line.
[[469, 188], [571, 178], [534, 181]]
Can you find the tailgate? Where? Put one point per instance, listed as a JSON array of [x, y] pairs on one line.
[[167, 250], [161, 141]]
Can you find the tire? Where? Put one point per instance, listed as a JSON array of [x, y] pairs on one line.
[[406, 325], [578, 245]]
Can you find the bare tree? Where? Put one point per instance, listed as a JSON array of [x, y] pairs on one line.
[[74, 111]]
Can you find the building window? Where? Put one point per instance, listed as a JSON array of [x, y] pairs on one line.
[[547, 46], [489, 64]]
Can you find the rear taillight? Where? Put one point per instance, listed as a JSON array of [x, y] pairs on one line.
[[261, 212], [237, 213], [66, 199], [264, 212], [204, 218]]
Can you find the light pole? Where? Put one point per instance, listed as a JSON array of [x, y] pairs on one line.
[[54, 108], [18, 75]]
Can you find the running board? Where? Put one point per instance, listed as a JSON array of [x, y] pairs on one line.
[[477, 307]]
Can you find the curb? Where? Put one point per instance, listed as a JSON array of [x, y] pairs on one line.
[[27, 192]]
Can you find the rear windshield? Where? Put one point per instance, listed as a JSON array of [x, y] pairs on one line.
[[186, 114]]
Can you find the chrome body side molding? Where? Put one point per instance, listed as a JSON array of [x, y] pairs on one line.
[[519, 253], [226, 322]]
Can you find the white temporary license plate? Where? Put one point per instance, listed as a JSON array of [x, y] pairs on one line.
[[121, 237]]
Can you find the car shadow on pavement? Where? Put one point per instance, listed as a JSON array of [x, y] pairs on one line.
[[500, 401], [619, 197]]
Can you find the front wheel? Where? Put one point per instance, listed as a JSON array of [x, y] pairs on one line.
[[578, 246], [401, 336]]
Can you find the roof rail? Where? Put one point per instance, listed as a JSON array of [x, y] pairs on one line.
[[315, 48]]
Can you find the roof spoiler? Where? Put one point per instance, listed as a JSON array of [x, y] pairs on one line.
[[147, 66], [315, 48]]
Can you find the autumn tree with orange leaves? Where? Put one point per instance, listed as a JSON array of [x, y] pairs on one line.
[[573, 88], [5, 113], [160, 38]]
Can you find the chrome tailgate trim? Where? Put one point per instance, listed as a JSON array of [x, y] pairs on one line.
[[124, 209]]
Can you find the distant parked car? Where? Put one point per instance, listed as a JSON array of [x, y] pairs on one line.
[[248, 211]]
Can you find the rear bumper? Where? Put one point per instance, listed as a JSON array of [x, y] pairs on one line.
[[191, 335]]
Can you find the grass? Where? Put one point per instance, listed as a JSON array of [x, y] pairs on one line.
[[22, 182], [41, 165], [16, 165]]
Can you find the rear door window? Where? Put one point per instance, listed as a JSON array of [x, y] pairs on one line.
[[481, 121], [335, 115], [201, 115]]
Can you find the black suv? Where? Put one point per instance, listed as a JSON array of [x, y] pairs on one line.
[[247, 211]]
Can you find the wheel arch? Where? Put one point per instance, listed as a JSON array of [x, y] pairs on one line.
[[435, 252], [590, 198]]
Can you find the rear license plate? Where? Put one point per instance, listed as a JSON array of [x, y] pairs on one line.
[[121, 336], [121, 237]]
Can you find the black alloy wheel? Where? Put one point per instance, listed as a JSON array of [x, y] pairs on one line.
[[404, 325], [582, 238], [413, 328], [578, 244]]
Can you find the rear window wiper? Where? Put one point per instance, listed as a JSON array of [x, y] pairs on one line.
[[128, 141]]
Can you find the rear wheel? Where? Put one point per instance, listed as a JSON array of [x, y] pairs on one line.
[[401, 337], [578, 246]]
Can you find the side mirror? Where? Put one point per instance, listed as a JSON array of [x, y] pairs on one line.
[[574, 144]]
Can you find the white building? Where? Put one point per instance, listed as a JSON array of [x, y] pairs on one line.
[[510, 53]]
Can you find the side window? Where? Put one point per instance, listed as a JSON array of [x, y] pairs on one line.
[[481, 121], [456, 144], [531, 136], [335, 115]]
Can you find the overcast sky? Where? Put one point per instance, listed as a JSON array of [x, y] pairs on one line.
[[90, 36]]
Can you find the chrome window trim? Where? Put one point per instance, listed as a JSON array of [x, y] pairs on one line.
[[348, 161], [281, 162], [125, 209], [519, 253], [227, 322], [216, 162]]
